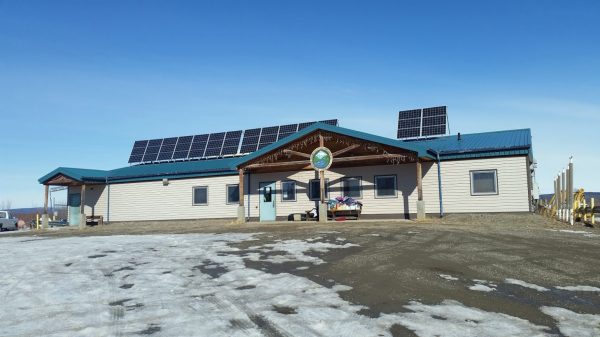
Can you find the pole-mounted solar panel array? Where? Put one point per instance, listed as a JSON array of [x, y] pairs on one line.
[[418, 123], [213, 145]]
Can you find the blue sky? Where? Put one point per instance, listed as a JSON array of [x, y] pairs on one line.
[[81, 80]]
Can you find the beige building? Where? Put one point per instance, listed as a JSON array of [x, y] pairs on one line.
[[473, 173]]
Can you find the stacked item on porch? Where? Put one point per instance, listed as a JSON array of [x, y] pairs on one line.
[[344, 204]]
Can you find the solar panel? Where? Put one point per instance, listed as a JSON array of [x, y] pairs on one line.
[[304, 125], [268, 136], [198, 146], [213, 145], [426, 122], [182, 149], [152, 150], [333, 122], [167, 148], [137, 153], [231, 143]]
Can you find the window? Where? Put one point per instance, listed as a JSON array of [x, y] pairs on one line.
[[288, 191], [200, 195], [385, 187], [484, 182], [233, 194], [314, 189], [351, 187]]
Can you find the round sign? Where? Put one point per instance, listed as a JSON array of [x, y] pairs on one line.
[[321, 158]]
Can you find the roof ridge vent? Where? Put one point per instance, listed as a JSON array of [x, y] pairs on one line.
[[459, 138]]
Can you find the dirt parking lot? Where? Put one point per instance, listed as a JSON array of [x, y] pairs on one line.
[[460, 276]]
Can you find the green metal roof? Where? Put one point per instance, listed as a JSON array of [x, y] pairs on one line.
[[186, 169], [420, 150], [477, 145], [76, 174]]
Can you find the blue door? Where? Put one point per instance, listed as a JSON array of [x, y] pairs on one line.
[[74, 208], [267, 201]]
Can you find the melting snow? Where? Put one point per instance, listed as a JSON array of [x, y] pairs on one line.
[[295, 251], [584, 233], [453, 319], [525, 284], [481, 287], [579, 288], [197, 285], [572, 324], [448, 277]]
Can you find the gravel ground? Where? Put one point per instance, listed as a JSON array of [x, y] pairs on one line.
[[511, 264]]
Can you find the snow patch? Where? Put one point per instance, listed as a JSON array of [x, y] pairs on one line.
[[453, 319], [448, 277], [481, 287], [579, 288], [584, 233], [572, 324], [295, 251], [525, 284]]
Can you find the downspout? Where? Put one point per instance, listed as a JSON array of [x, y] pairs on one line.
[[439, 169], [107, 201]]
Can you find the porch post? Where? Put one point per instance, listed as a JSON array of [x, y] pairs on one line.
[[420, 202], [322, 204], [82, 220], [45, 215], [241, 216]]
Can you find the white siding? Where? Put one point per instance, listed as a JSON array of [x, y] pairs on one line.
[[153, 201], [513, 195], [404, 203]]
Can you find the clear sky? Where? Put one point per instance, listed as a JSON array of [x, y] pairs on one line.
[[81, 80]]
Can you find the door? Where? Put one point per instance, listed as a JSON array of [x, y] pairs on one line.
[[74, 208], [267, 201]]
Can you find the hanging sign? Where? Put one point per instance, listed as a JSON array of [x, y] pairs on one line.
[[321, 159]]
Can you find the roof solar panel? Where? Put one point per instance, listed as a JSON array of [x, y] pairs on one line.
[[304, 125], [415, 113], [435, 111], [288, 128], [422, 122], [140, 143], [215, 144], [333, 122], [272, 130]]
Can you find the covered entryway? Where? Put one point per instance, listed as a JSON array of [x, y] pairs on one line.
[[348, 149], [76, 198]]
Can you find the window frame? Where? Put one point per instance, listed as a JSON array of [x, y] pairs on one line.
[[495, 171], [360, 186], [227, 194], [310, 189], [194, 195], [375, 186], [295, 191]]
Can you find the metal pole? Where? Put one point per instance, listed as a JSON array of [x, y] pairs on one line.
[[570, 191]]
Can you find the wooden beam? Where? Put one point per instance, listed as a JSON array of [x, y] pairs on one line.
[[82, 208], [349, 148], [46, 188], [279, 164], [241, 185], [321, 140], [82, 220], [296, 153], [305, 163], [419, 181], [367, 157], [322, 186]]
